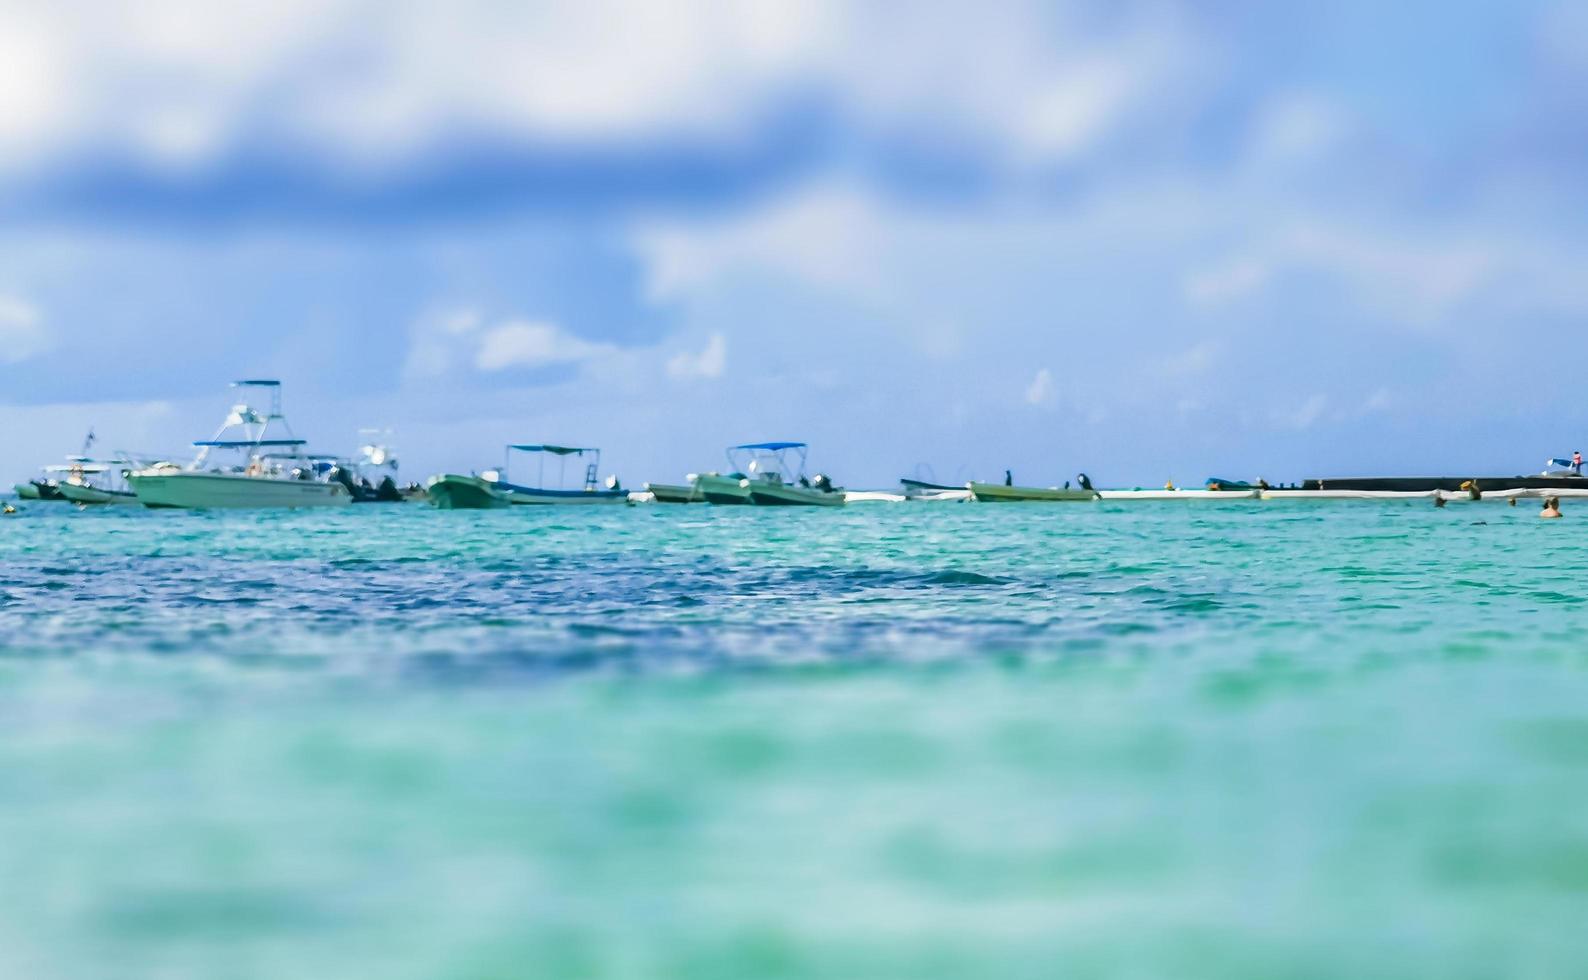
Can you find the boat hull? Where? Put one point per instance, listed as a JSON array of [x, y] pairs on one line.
[[453, 492], [203, 491], [27, 491], [787, 495], [518, 495], [80, 493], [722, 489], [668, 493], [999, 493]]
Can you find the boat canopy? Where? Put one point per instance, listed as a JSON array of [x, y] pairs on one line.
[[256, 383], [772, 446], [247, 443], [555, 450]]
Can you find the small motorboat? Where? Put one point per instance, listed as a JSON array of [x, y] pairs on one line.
[[493, 488], [932, 492], [91, 482], [451, 491], [1007, 492], [721, 488], [672, 493], [775, 476]]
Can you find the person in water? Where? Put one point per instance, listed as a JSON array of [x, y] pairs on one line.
[[1551, 508]]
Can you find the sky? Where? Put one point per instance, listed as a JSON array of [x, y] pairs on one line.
[[1146, 241]]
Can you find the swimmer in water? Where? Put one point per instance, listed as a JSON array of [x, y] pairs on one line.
[[1551, 508]]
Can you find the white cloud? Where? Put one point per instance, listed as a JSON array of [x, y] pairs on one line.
[[22, 333], [1303, 416], [452, 340], [183, 82], [1225, 283], [708, 363], [523, 344], [1040, 391]]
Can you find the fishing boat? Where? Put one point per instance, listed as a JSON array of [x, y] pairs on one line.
[[1007, 492], [452, 491], [922, 490], [774, 476], [43, 489], [672, 493], [270, 471], [721, 488], [96, 482], [493, 488]]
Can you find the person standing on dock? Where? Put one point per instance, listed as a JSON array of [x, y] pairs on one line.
[[1009, 478], [1576, 462]]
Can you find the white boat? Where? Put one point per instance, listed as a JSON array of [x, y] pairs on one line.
[[874, 497], [274, 472]]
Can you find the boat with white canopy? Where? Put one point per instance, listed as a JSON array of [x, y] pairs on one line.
[[270, 469]]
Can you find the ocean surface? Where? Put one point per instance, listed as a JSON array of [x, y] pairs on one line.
[[1166, 740]]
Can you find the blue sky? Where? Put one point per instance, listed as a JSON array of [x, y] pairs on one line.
[[1147, 241]]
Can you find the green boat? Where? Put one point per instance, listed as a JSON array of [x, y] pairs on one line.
[[453, 492]]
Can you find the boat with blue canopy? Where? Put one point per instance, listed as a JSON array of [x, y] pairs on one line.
[[494, 488], [769, 474]]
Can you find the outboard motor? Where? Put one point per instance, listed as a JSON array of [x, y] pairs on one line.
[[1085, 481], [823, 483]]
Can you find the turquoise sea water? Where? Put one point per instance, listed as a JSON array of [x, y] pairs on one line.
[[912, 741]]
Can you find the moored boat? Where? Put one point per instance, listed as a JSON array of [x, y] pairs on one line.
[[451, 491], [671, 493], [1007, 493], [934, 492], [277, 471], [719, 488], [775, 476], [493, 489]]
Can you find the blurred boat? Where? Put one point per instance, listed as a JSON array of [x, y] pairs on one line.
[[671, 493], [933, 492], [1005, 493], [775, 476], [451, 491], [719, 488], [275, 472], [493, 489], [96, 482]]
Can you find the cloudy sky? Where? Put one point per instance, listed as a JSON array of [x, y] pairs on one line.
[[1144, 240]]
